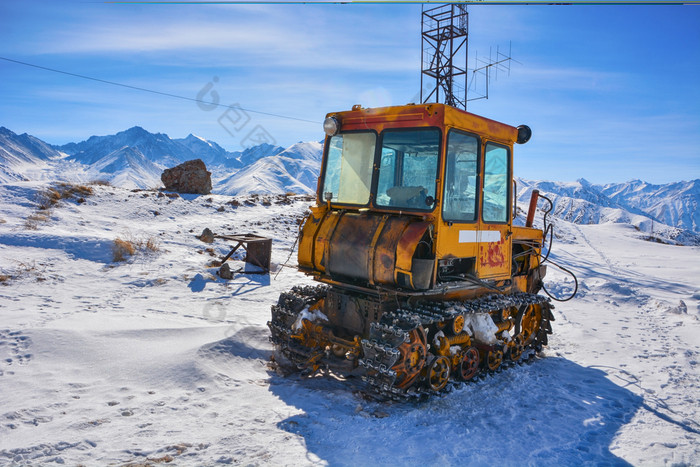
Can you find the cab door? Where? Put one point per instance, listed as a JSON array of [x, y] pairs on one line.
[[457, 247], [494, 232]]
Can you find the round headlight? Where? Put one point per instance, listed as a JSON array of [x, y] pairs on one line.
[[524, 134], [331, 126]]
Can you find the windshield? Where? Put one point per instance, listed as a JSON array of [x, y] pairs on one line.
[[408, 169], [348, 177]]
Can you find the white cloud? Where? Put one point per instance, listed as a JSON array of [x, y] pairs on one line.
[[244, 36]]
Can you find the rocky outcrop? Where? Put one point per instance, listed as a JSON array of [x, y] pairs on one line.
[[188, 177]]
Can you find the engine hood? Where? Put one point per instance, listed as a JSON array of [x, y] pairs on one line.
[[367, 248]]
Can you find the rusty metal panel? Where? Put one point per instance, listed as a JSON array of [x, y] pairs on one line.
[[408, 243], [258, 249], [485, 127], [259, 253], [350, 245], [494, 261], [421, 115], [308, 236], [385, 251], [322, 240]]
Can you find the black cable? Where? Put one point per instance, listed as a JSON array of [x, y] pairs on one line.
[[113, 83], [573, 294], [548, 227]]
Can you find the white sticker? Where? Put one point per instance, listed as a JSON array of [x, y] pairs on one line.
[[479, 236]]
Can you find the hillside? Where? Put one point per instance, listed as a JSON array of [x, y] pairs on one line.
[[155, 360]]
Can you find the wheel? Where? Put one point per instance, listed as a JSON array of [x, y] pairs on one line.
[[494, 359], [413, 355], [469, 364], [439, 373], [530, 323], [516, 348], [456, 325]]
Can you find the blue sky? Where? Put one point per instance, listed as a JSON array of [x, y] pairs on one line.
[[611, 92]]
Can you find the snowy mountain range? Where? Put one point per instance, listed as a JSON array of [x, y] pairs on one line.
[[135, 158], [650, 208]]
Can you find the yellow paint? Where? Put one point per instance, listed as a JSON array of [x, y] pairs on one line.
[[394, 244]]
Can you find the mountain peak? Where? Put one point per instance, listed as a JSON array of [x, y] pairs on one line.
[[192, 138], [136, 131]]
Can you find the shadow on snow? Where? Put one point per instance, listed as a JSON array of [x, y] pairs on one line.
[[241, 284], [550, 412], [91, 249]]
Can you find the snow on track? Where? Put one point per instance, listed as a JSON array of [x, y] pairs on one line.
[[158, 360]]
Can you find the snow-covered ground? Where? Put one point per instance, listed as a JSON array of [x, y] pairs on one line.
[[156, 360]]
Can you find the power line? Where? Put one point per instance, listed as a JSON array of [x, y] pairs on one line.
[[137, 88]]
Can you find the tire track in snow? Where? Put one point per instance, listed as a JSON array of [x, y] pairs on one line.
[[661, 350], [613, 269]]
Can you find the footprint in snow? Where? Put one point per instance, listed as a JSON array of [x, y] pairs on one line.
[[14, 348]]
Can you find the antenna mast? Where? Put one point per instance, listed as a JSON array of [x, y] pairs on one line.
[[444, 31], [444, 53], [488, 69]]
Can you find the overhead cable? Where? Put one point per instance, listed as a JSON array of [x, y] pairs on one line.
[[137, 88]]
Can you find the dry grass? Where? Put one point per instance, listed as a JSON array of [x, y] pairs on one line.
[[21, 270], [34, 219], [69, 190], [151, 244], [47, 199], [123, 248], [51, 196]]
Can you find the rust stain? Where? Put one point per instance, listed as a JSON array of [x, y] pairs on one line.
[[492, 255]]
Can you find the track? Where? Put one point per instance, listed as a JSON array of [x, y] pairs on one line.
[[419, 350]]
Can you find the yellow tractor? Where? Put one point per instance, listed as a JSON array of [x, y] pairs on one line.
[[425, 277]]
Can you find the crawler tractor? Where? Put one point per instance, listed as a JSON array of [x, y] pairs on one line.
[[425, 278]]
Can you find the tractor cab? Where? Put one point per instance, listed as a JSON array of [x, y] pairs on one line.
[[417, 198]]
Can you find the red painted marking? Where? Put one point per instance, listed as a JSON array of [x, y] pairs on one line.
[[493, 255]]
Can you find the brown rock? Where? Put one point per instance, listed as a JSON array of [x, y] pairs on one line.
[[225, 272], [207, 236], [188, 177]]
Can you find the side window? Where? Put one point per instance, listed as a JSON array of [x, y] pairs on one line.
[[348, 171], [496, 184], [461, 169]]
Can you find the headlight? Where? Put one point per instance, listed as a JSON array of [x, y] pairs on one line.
[[524, 134], [331, 126]]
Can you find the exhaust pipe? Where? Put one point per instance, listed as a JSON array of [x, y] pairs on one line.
[[533, 207]]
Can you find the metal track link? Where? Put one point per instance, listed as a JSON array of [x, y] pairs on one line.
[[380, 350], [382, 378]]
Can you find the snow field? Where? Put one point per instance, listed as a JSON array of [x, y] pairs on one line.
[[157, 360]]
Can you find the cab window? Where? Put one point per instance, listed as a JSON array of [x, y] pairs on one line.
[[348, 170], [461, 183], [496, 184], [408, 169]]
